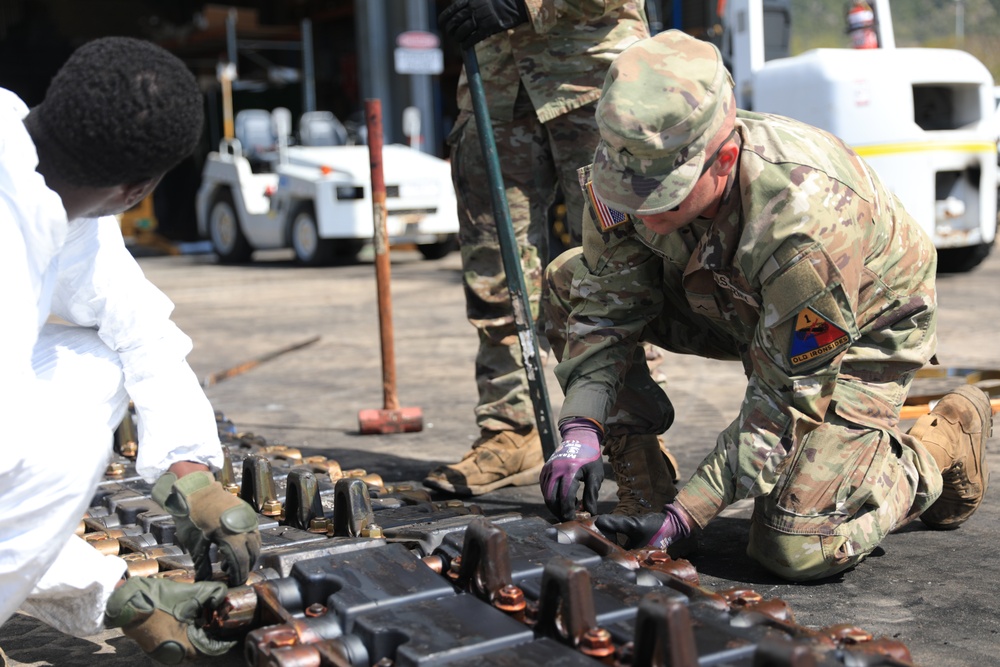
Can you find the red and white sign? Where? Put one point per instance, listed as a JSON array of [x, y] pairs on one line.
[[418, 52], [417, 39]]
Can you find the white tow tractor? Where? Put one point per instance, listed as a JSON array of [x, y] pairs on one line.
[[922, 117], [259, 193]]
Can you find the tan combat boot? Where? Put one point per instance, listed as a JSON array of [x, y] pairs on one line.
[[955, 434], [645, 471], [497, 459]]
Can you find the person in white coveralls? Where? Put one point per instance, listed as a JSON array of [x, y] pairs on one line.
[[118, 115]]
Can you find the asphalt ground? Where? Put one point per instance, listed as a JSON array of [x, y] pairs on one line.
[[938, 592]]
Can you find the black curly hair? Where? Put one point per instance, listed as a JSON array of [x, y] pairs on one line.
[[121, 110]]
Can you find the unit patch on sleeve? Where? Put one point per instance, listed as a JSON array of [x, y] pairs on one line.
[[814, 337], [607, 218]]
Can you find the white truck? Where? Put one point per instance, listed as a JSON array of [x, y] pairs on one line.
[[923, 118], [317, 199]]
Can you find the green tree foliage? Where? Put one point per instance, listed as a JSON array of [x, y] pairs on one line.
[[926, 23]]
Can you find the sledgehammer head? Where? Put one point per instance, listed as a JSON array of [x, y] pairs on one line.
[[401, 420]]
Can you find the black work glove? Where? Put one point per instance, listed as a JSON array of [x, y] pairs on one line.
[[657, 530], [164, 616], [205, 513], [472, 21]]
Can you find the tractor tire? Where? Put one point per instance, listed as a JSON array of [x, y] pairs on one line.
[[228, 240], [310, 249]]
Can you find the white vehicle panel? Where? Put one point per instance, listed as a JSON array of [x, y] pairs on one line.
[[944, 177], [250, 198]]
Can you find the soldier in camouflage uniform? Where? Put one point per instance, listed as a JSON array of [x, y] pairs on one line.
[[753, 237], [542, 69]]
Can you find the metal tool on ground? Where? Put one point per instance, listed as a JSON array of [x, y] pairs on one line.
[[240, 369], [919, 402], [391, 418], [511, 258]]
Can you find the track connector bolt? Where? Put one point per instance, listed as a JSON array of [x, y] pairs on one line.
[[319, 525], [373, 531], [271, 507], [510, 600], [315, 610], [596, 643]]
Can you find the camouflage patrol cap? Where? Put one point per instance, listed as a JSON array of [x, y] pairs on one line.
[[663, 101]]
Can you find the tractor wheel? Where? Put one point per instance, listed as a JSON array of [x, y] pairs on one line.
[[227, 238], [310, 249]]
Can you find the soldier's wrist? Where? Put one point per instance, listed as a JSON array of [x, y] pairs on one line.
[[182, 468]]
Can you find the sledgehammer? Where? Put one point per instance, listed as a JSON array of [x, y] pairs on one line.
[[392, 418]]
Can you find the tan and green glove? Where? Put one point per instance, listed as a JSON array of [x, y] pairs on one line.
[[206, 514], [164, 617]]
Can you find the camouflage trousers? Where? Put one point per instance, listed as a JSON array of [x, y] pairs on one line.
[[845, 504], [536, 161]]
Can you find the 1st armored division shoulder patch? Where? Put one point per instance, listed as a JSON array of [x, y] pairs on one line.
[[607, 218], [814, 336]]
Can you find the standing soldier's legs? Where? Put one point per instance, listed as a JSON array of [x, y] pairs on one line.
[[573, 138], [508, 451]]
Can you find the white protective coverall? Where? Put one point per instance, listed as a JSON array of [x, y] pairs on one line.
[[65, 387]]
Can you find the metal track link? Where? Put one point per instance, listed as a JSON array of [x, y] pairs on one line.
[[355, 572]]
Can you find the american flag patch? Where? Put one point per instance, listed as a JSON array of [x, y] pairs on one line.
[[607, 218]]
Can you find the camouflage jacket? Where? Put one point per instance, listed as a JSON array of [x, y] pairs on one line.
[[811, 267], [561, 55]]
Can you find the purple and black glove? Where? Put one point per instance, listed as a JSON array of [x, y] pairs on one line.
[[578, 459], [472, 21], [646, 530]]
